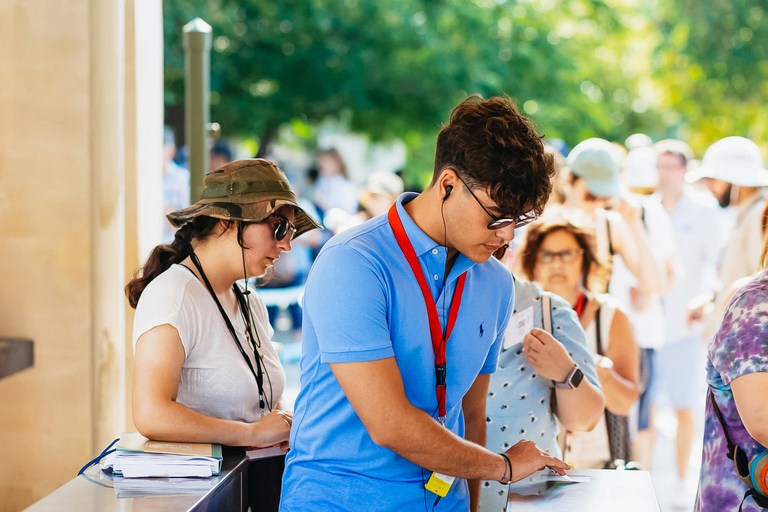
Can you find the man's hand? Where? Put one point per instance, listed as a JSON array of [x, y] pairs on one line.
[[547, 355], [526, 458]]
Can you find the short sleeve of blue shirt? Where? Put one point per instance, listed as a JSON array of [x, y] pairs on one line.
[[347, 332]]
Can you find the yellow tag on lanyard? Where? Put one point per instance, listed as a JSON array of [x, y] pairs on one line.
[[439, 484]]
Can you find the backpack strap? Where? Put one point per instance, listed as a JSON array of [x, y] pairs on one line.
[[546, 312]]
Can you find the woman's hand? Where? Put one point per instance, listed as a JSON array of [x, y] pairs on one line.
[[604, 367], [274, 428], [547, 355]]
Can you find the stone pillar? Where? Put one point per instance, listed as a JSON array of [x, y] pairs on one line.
[[143, 150], [107, 58]]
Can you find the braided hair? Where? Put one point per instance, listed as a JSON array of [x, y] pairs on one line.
[[163, 256]]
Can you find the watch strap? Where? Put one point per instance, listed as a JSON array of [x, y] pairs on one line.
[[568, 382]]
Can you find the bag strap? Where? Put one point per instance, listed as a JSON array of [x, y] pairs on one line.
[[611, 250], [719, 415], [546, 312], [759, 499], [598, 331], [546, 318]]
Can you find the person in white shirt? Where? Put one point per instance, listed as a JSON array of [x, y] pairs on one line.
[[735, 166], [694, 220], [645, 310], [334, 188], [205, 369], [175, 183]]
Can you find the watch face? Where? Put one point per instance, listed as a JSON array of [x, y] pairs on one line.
[[578, 376]]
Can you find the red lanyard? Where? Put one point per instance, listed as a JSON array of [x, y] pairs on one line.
[[580, 303], [435, 329]]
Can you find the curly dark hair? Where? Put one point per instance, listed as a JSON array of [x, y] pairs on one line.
[[538, 231], [490, 145]]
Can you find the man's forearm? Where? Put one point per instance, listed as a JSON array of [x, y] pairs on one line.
[[423, 441]]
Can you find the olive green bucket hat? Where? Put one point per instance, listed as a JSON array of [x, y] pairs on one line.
[[246, 190]]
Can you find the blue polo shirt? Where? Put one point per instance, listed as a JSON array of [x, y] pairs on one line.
[[363, 303]]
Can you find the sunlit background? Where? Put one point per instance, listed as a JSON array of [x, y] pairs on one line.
[[694, 70]]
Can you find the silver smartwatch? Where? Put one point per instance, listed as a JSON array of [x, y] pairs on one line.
[[572, 381]]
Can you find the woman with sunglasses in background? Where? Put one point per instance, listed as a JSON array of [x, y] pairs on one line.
[[560, 257], [205, 369]]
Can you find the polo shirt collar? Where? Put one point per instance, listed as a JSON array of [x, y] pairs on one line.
[[422, 243]]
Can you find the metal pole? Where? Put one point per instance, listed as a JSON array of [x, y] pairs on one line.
[[197, 75]]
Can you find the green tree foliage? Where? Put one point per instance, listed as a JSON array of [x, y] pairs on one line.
[[580, 68], [712, 63]]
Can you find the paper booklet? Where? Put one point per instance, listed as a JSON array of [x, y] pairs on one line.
[[254, 453], [138, 457]]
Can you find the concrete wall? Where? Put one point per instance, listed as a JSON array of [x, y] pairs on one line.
[[80, 124]]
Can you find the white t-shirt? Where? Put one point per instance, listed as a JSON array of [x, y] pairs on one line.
[[695, 222], [741, 256], [336, 192], [648, 323], [215, 379]]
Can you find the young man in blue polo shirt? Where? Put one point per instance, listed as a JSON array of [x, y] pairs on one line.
[[404, 319]]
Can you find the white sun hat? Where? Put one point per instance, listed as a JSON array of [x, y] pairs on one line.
[[735, 160]]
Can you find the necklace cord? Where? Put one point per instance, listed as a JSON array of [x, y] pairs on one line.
[[258, 374]]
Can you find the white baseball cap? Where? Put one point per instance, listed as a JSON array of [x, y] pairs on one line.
[[598, 163], [735, 160]]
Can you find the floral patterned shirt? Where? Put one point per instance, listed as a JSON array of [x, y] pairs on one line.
[[738, 348]]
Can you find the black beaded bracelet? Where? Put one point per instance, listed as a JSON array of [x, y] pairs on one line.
[[509, 466]]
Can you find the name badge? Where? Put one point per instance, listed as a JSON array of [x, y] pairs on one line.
[[519, 325], [439, 484]]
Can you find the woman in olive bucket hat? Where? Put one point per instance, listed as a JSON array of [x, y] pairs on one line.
[[205, 369]]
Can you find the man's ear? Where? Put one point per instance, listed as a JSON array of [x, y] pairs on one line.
[[447, 182]]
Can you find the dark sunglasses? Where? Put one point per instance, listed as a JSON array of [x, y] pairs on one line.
[[498, 222], [282, 227]]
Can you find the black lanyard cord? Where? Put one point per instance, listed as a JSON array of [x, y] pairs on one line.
[[258, 374]]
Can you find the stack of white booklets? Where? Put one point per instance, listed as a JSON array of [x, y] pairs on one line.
[[139, 457]]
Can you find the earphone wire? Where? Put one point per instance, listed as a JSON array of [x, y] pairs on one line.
[[445, 266]]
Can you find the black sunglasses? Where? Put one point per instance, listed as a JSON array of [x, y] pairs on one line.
[[498, 222], [282, 227]]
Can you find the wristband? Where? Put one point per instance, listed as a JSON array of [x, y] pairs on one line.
[[508, 465]]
